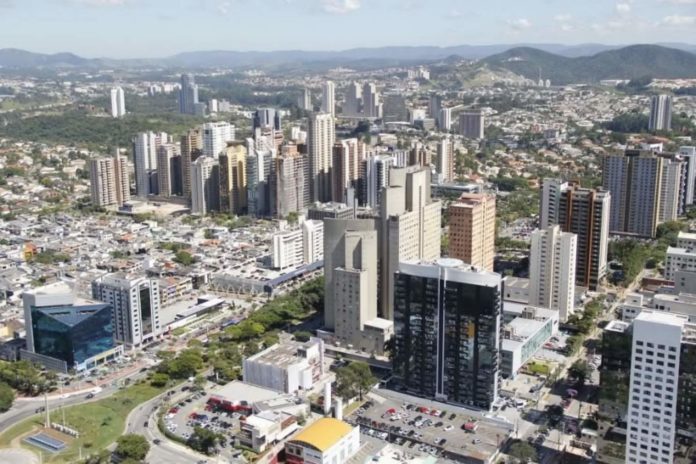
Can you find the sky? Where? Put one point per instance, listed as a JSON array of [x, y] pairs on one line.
[[159, 28]]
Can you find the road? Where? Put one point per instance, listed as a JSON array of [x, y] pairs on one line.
[[167, 451]]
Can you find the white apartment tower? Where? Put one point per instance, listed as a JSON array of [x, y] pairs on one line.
[[204, 188], [118, 102], [445, 159], [145, 147], [652, 406], [215, 137], [660, 113], [135, 302], [109, 181], [328, 98], [321, 137], [313, 241], [552, 270]]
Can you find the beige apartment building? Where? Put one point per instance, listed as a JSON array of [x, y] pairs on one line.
[[472, 230]]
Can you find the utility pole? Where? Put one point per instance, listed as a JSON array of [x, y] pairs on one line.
[[48, 415]]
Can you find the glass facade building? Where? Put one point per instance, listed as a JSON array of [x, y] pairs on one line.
[[73, 334], [447, 324]]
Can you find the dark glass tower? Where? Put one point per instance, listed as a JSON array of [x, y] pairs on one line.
[[447, 323]]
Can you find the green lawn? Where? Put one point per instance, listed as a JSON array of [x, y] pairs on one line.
[[99, 422]]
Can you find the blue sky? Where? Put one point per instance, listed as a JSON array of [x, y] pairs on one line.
[[155, 28]]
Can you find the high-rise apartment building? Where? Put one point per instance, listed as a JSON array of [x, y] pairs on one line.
[[410, 227], [145, 147], [376, 178], [313, 240], [585, 213], [188, 95], [660, 113], [371, 101], [447, 329], [445, 159], [434, 107], [215, 137], [646, 189], [233, 180], [472, 230], [305, 100], [552, 270], [169, 181], [293, 181], [109, 181], [445, 119], [688, 155], [352, 106], [191, 149], [267, 118], [261, 165], [321, 138], [348, 155], [471, 124], [205, 185], [328, 98], [118, 102], [662, 386], [136, 305]]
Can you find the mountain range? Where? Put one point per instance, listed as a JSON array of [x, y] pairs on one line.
[[560, 63]]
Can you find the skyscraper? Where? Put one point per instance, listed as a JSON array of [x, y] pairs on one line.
[[445, 159], [191, 149], [188, 95], [410, 227], [205, 185], [267, 118], [660, 113], [215, 137], [471, 124], [168, 170], [135, 303], [585, 213], [434, 107], [305, 100], [328, 98], [233, 181], [688, 154], [109, 181], [292, 181], [376, 178], [552, 270], [662, 386], [353, 101], [348, 155], [445, 119], [646, 189], [260, 177], [145, 147], [371, 101], [321, 137], [118, 102], [447, 324], [472, 230]]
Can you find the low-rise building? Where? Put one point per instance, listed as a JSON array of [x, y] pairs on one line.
[[524, 336], [326, 441], [287, 366], [682, 257], [265, 429]]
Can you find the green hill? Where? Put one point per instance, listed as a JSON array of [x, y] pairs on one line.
[[623, 63]]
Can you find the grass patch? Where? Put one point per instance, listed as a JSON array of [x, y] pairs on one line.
[[100, 423]]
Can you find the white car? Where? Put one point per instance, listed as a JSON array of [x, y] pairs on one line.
[[448, 428]]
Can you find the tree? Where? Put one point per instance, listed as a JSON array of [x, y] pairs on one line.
[[159, 379], [203, 440], [132, 446], [7, 397], [580, 370], [355, 379], [522, 452], [184, 258]]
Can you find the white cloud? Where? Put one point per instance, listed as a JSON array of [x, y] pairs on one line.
[[224, 8], [562, 18], [519, 23], [340, 6], [678, 20], [679, 2], [623, 8]]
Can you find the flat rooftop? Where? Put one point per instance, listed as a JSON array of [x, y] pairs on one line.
[[239, 391], [617, 326], [281, 354]]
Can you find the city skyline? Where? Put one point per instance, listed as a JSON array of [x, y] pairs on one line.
[[441, 23]]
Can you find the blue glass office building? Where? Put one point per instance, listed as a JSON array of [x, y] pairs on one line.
[[73, 334]]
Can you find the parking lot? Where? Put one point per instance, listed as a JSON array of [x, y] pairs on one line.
[[183, 417], [440, 432]]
